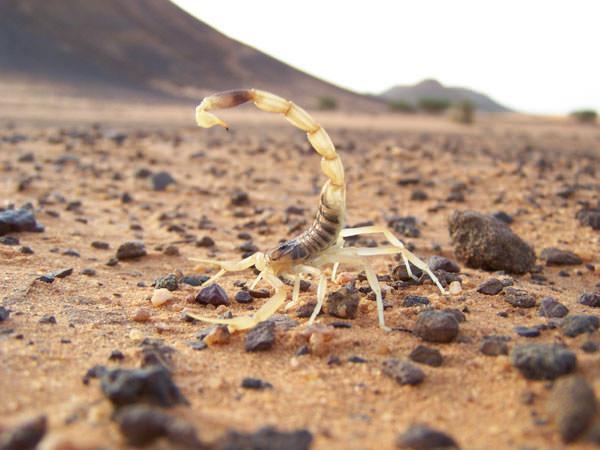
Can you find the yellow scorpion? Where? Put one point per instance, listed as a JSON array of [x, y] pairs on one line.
[[323, 243]]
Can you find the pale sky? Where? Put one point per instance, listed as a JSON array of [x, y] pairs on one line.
[[534, 56]]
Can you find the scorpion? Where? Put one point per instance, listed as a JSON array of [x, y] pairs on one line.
[[322, 243]]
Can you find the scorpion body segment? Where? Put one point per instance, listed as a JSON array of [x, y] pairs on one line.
[[322, 243]]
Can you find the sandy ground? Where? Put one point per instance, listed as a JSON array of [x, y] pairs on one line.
[[514, 165]]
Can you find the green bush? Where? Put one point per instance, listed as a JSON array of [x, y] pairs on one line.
[[433, 105], [463, 112], [327, 103], [585, 116], [401, 106]]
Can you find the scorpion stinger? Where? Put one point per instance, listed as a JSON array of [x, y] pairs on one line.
[[322, 243]]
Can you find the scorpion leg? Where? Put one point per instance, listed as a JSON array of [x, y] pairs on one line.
[[230, 266], [407, 256], [321, 290], [376, 288], [295, 293]]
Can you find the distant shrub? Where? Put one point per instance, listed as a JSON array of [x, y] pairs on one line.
[[463, 112], [585, 116], [433, 105], [402, 106], [327, 103]]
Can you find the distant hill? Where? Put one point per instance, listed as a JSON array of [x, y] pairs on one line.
[[141, 47], [434, 89]]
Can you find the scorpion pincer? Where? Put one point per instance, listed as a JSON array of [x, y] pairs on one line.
[[323, 242]]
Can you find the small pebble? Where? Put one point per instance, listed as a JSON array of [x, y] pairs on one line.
[[141, 315], [519, 298], [421, 437], [131, 250], [551, 308], [590, 299], [543, 361], [415, 300], [557, 257], [343, 303], [213, 295], [494, 345], [47, 319], [256, 384], [436, 326], [243, 297], [574, 325], [426, 355], [455, 288], [491, 286], [219, 335], [404, 372], [161, 296], [261, 337], [528, 332]]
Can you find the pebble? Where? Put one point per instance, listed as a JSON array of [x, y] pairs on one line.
[[590, 299], [404, 372], [89, 272], [455, 288], [152, 385], [141, 315], [267, 438], [487, 243], [551, 308], [421, 437], [171, 250], [491, 286], [399, 273], [100, 245], [256, 384], [206, 241], [494, 345], [169, 282], [589, 347], [573, 405], [519, 298], [131, 250], [528, 332], [543, 361], [24, 436], [9, 240], [415, 300], [26, 250], [406, 226], [441, 263], [116, 355], [161, 180], [195, 280], [219, 335], [47, 319], [16, 220], [60, 273], [557, 257], [343, 303], [589, 216], [161, 296], [261, 337], [4, 313], [503, 216], [259, 293], [426, 355], [243, 297], [574, 325], [213, 295], [436, 326], [239, 198]]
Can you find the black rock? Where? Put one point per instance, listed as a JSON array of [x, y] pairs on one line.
[[590, 347], [343, 303], [259, 293], [551, 308], [152, 385], [25, 436], [243, 297], [590, 299], [212, 295], [426, 355], [589, 216], [206, 241], [255, 383], [161, 180], [26, 250], [404, 372], [543, 361], [194, 280], [261, 337], [494, 345], [503, 217], [491, 286], [557, 257], [441, 263], [267, 438], [419, 195], [406, 226], [88, 272], [484, 242], [9, 240], [574, 325], [141, 425], [436, 326], [357, 360], [399, 272], [16, 220], [100, 245], [71, 252], [415, 300], [51, 276], [519, 298], [239, 198], [130, 250], [573, 405], [169, 282], [4, 313], [528, 332], [421, 437], [116, 355]]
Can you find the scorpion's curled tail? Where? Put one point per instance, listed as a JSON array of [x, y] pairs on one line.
[[333, 193]]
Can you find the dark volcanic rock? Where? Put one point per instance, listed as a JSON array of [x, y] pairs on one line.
[[551, 308], [169, 282], [25, 436], [4, 313], [255, 383], [440, 263], [267, 438], [590, 299], [492, 286], [487, 243], [528, 332], [543, 361], [60, 273], [573, 405], [261, 337], [243, 297], [421, 437], [404, 372], [426, 355], [406, 226], [557, 257], [161, 180], [213, 295], [519, 298], [494, 345], [436, 326], [575, 325], [130, 250], [152, 385], [415, 300], [343, 303], [15, 220]]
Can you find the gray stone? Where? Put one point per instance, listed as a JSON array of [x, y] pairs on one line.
[[491, 286], [543, 361], [557, 257], [421, 437], [436, 326], [519, 298], [574, 325], [551, 308], [404, 372], [261, 337], [131, 250]]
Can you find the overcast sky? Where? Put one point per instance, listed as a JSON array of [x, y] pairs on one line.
[[535, 56]]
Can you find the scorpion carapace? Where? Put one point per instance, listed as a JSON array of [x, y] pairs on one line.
[[323, 243]]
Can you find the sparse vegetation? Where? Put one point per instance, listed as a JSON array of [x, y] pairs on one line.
[[463, 112], [327, 103], [402, 106], [585, 116], [431, 105]]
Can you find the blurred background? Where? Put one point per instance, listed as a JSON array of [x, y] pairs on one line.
[[455, 59]]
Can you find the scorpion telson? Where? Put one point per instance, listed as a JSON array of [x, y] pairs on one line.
[[323, 243]]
